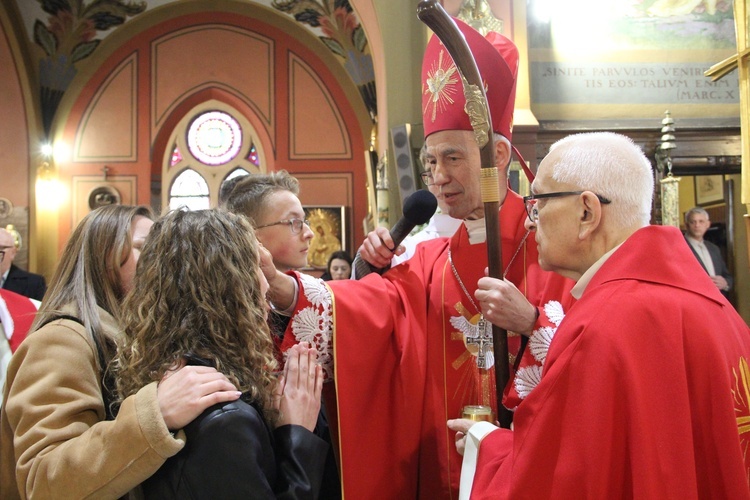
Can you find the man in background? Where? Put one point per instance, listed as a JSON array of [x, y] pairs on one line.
[[697, 223], [14, 278]]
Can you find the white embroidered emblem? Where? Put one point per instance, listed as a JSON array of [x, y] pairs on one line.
[[526, 379], [314, 324], [554, 311], [6, 319], [316, 291], [539, 343]]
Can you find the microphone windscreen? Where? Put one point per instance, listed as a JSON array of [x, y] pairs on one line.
[[419, 207]]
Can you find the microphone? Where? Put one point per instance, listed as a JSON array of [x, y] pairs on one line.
[[418, 208]]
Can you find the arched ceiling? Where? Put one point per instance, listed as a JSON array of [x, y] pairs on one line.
[[32, 10], [64, 33]]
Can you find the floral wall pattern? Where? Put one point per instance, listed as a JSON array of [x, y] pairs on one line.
[[74, 28], [69, 37], [343, 35]]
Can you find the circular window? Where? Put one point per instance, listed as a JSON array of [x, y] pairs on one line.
[[214, 138]]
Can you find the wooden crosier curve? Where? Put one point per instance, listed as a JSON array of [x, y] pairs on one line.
[[434, 16]]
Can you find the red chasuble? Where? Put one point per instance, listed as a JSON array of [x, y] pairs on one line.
[[645, 392], [402, 366], [16, 314]]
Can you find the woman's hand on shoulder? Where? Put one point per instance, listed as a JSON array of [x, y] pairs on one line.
[[299, 390], [184, 393]]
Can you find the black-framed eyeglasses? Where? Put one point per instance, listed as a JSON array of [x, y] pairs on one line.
[[533, 212], [295, 225]]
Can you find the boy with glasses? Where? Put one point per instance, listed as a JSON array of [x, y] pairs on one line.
[[270, 202]]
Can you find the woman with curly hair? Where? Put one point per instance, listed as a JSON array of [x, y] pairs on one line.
[[58, 437], [199, 296]]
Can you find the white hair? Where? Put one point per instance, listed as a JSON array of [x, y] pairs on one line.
[[613, 166], [696, 210]]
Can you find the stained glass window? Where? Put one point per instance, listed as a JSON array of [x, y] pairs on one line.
[[176, 156], [214, 144], [189, 190], [214, 138], [253, 156]]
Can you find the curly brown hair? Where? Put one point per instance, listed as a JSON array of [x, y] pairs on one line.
[[197, 292]]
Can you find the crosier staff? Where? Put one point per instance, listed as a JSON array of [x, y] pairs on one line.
[[434, 16]]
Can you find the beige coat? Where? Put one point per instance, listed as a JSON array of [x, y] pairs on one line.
[[52, 425]]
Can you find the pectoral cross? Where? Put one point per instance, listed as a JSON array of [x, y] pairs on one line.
[[483, 340]]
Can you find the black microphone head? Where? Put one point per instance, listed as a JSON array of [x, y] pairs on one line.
[[419, 206]]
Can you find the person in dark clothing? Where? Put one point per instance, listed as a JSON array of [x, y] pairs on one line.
[[199, 298], [14, 278], [708, 254]]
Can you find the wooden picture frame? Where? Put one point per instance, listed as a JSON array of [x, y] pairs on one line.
[[84, 186], [709, 189], [329, 224]]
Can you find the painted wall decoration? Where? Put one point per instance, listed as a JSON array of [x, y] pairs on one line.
[[609, 59], [68, 37], [343, 35], [72, 29]]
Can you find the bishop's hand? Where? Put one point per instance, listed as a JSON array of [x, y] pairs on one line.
[[378, 248], [505, 306]]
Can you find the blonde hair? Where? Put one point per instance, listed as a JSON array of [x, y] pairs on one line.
[[249, 196], [197, 292], [88, 274]]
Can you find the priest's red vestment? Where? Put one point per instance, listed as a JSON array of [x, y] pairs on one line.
[[401, 361], [16, 314], [645, 391]]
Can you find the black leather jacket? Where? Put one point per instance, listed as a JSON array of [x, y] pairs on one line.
[[231, 453]]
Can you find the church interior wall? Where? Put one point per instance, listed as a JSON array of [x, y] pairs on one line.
[[124, 99], [298, 99]]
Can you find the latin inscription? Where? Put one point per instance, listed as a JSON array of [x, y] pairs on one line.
[[561, 83]]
